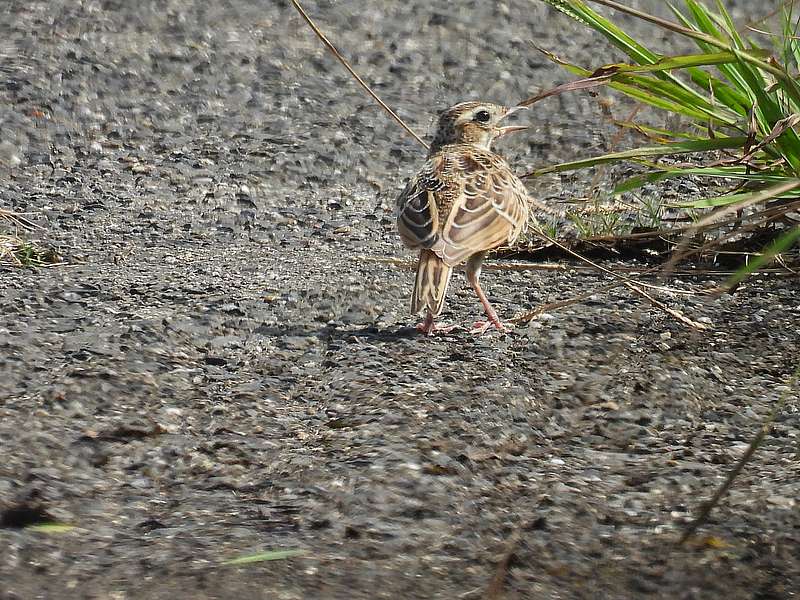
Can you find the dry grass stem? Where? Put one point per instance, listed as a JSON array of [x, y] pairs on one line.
[[496, 587], [633, 285], [713, 220], [763, 431], [8, 247], [355, 75], [410, 265], [544, 308], [17, 220]]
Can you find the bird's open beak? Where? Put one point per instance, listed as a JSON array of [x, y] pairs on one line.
[[512, 128]]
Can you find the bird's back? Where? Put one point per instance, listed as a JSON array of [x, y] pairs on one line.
[[464, 200]]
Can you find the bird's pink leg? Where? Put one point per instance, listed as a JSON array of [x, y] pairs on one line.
[[427, 325], [482, 326], [473, 273]]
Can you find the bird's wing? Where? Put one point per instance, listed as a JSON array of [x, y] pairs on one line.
[[462, 202], [417, 209], [491, 210]]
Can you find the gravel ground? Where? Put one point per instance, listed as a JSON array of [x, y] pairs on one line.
[[215, 372]]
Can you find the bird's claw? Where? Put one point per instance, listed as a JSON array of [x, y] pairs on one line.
[[480, 327], [433, 328]]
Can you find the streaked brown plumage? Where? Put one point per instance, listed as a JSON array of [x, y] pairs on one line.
[[462, 203]]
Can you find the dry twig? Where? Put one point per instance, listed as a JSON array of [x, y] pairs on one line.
[[713, 219], [495, 590], [355, 75], [763, 431], [634, 286]]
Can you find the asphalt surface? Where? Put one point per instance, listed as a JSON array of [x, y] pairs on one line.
[[224, 366]]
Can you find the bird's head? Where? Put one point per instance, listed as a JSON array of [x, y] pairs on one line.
[[473, 123]]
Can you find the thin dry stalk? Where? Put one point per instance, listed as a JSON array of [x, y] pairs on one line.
[[496, 588], [786, 270], [596, 79], [352, 72], [766, 17], [543, 308], [764, 430], [757, 220], [8, 248], [676, 314], [662, 234], [663, 23], [713, 219], [768, 216], [17, 220], [410, 265], [634, 286]]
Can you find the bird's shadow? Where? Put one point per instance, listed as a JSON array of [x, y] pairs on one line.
[[331, 333]]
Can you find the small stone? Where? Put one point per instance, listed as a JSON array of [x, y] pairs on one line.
[[781, 501]]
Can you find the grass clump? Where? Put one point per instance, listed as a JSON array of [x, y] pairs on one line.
[[15, 250], [735, 103]]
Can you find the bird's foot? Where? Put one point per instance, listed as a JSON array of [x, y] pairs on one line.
[[431, 328], [480, 327]]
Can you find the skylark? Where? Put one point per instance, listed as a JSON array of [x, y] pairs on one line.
[[462, 203]]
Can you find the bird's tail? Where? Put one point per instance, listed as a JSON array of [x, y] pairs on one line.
[[433, 277]]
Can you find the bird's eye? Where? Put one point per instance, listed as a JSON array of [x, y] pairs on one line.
[[482, 116]]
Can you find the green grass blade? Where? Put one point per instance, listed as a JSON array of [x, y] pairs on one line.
[[730, 28], [581, 12], [639, 89], [637, 52], [264, 556], [769, 112], [663, 150], [664, 136], [732, 98], [657, 93], [768, 254], [676, 94], [727, 200], [789, 47], [688, 60], [735, 172], [704, 24], [790, 37], [710, 37]]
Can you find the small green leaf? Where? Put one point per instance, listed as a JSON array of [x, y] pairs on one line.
[[50, 528], [725, 200], [690, 60], [734, 172], [264, 556], [663, 150], [782, 244]]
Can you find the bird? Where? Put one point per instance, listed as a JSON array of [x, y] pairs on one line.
[[463, 202]]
